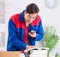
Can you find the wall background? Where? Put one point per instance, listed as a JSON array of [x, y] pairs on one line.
[[49, 16]]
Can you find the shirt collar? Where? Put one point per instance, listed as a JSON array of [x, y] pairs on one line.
[[22, 16]]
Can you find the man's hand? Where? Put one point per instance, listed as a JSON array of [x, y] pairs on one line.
[[30, 47], [32, 34]]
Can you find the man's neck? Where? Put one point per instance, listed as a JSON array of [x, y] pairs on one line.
[[27, 24]]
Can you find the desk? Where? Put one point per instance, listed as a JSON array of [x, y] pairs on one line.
[[34, 53], [9, 54]]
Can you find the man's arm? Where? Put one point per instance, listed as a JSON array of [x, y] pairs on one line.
[[38, 35], [12, 37], [40, 32]]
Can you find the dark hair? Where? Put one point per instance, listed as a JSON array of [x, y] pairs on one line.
[[32, 8]]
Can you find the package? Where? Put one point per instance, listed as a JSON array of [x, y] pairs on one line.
[[37, 52]]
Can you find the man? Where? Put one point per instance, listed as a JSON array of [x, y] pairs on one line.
[[24, 29]]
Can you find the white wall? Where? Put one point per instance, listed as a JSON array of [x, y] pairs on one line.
[[49, 16]]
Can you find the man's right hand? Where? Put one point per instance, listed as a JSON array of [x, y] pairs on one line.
[[30, 47]]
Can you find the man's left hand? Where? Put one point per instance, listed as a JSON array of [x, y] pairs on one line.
[[32, 34]]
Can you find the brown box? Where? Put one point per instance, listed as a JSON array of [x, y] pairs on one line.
[[9, 54]]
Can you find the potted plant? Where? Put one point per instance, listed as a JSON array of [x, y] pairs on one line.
[[50, 38]]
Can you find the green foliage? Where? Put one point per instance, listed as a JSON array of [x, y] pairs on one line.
[[50, 37], [57, 55]]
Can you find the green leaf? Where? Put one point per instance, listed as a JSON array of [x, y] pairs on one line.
[[50, 37]]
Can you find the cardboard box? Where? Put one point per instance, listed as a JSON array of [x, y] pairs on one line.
[[9, 54], [37, 52]]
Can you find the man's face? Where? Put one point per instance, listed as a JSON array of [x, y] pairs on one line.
[[29, 18]]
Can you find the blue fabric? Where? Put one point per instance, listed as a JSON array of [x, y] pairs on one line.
[[15, 41], [39, 32]]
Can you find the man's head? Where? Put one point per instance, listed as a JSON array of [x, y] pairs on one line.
[[31, 13]]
